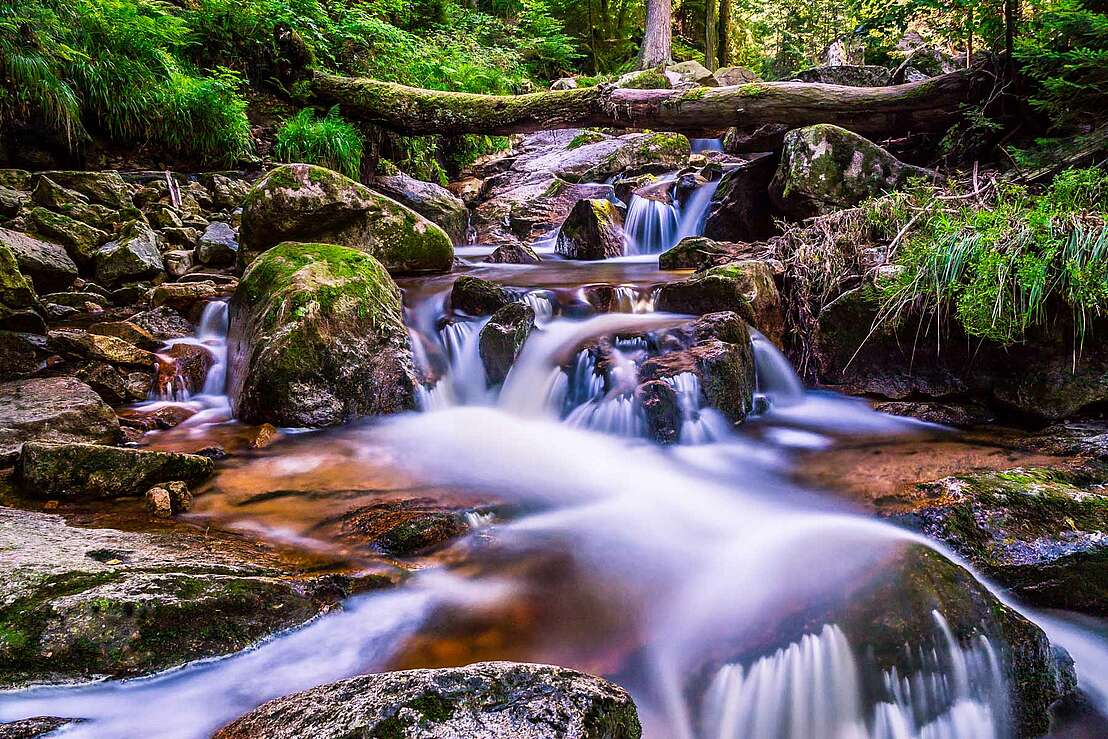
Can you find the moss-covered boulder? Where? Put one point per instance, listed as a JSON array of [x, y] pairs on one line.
[[107, 188], [433, 202], [593, 230], [56, 470], [15, 289], [644, 79], [691, 73], [491, 700], [47, 265], [302, 202], [502, 339], [1041, 532], [316, 339], [746, 287], [135, 255], [79, 239], [701, 253], [477, 297], [86, 603], [825, 168], [60, 409]]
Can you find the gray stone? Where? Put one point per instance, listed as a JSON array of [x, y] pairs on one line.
[[57, 409], [49, 470], [433, 202], [48, 265], [218, 245], [135, 255]]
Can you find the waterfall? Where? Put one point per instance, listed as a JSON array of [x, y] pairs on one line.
[[699, 425], [465, 382], [650, 227], [775, 381], [627, 299], [702, 145], [542, 303], [694, 211]]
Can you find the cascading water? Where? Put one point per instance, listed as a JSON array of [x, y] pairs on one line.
[[651, 226], [694, 211], [702, 145]]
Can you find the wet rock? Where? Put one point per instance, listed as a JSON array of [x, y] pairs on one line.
[[433, 202], [846, 74], [188, 369], [128, 331], [719, 354], [825, 168], [515, 253], [59, 409], [135, 255], [32, 728], [400, 528], [486, 700], [593, 230], [110, 383], [104, 348], [1041, 532], [477, 297], [47, 265], [157, 419], [745, 287], [11, 202], [179, 261], [169, 498], [80, 240], [727, 76], [103, 188], [595, 160], [740, 206], [19, 354], [526, 207], [503, 337], [187, 297], [27, 320], [163, 323], [662, 408], [48, 470], [307, 203], [701, 253], [317, 339], [218, 245], [82, 603]]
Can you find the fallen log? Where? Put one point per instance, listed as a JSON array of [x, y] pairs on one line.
[[928, 105]]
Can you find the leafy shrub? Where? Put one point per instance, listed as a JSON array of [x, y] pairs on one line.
[[328, 141]]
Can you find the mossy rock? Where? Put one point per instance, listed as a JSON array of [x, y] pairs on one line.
[[135, 255], [746, 287], [107, 188], [49, 470], [502, 339], [79, 239], [646, 79], [303, 202], [1040, 531], [593, 230], [317, 339], [15, 289], [825, 168]]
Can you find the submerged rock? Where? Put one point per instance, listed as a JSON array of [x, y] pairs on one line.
[[487, 700], [825, 168], [433, 202], [49, 470], [477, 297], [400, 528], [83, 603], [302, 202], [316, 339], [593, 230], [1041, 532], [515, 253], [59, 409], [503, 337], [745, 287]]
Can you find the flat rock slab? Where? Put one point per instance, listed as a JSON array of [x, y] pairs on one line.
[[96, 471], [57, 409], [487, 700]]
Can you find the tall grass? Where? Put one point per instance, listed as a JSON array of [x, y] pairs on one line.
[[328, 141]]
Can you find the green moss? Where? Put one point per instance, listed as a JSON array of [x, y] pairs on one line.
[[752, 90], [697, 93], [650, 79], [584, 138]]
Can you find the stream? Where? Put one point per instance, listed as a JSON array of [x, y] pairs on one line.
[[678, 572]]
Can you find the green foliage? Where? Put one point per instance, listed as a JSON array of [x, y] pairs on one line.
[[1004, 267], [328, 141]]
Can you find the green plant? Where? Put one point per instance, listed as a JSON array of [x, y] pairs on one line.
[[329, 141]]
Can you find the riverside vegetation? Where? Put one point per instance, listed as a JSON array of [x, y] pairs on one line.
[[529, 368]]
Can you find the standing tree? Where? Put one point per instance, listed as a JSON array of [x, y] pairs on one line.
[[711, 34], [657, 40], [724, 33]]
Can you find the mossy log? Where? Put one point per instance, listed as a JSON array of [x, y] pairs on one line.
[[927, 105]]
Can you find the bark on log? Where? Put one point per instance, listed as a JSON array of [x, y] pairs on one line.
[[928, 105]]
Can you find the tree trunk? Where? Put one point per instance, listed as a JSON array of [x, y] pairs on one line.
[[724, 33], [657, 40], [711, 34], [928, 105]]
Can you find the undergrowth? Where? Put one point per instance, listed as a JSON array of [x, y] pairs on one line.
[[329, 141]]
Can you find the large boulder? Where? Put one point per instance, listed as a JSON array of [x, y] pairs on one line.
[[728, 76], [593, 230], [502, 339], [316, 339], [59, 409], [1038, 531], [86, 603], [595, 158], [486, 700], [107, 188], [690, 73], [135, 255], [850, 75], [522, 208], [218, 245], [701, 253], [70, 470], [745, 287], [302, 202], [825, 168], [740, 206], [79, 239], [433, 202], [48, 265]]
